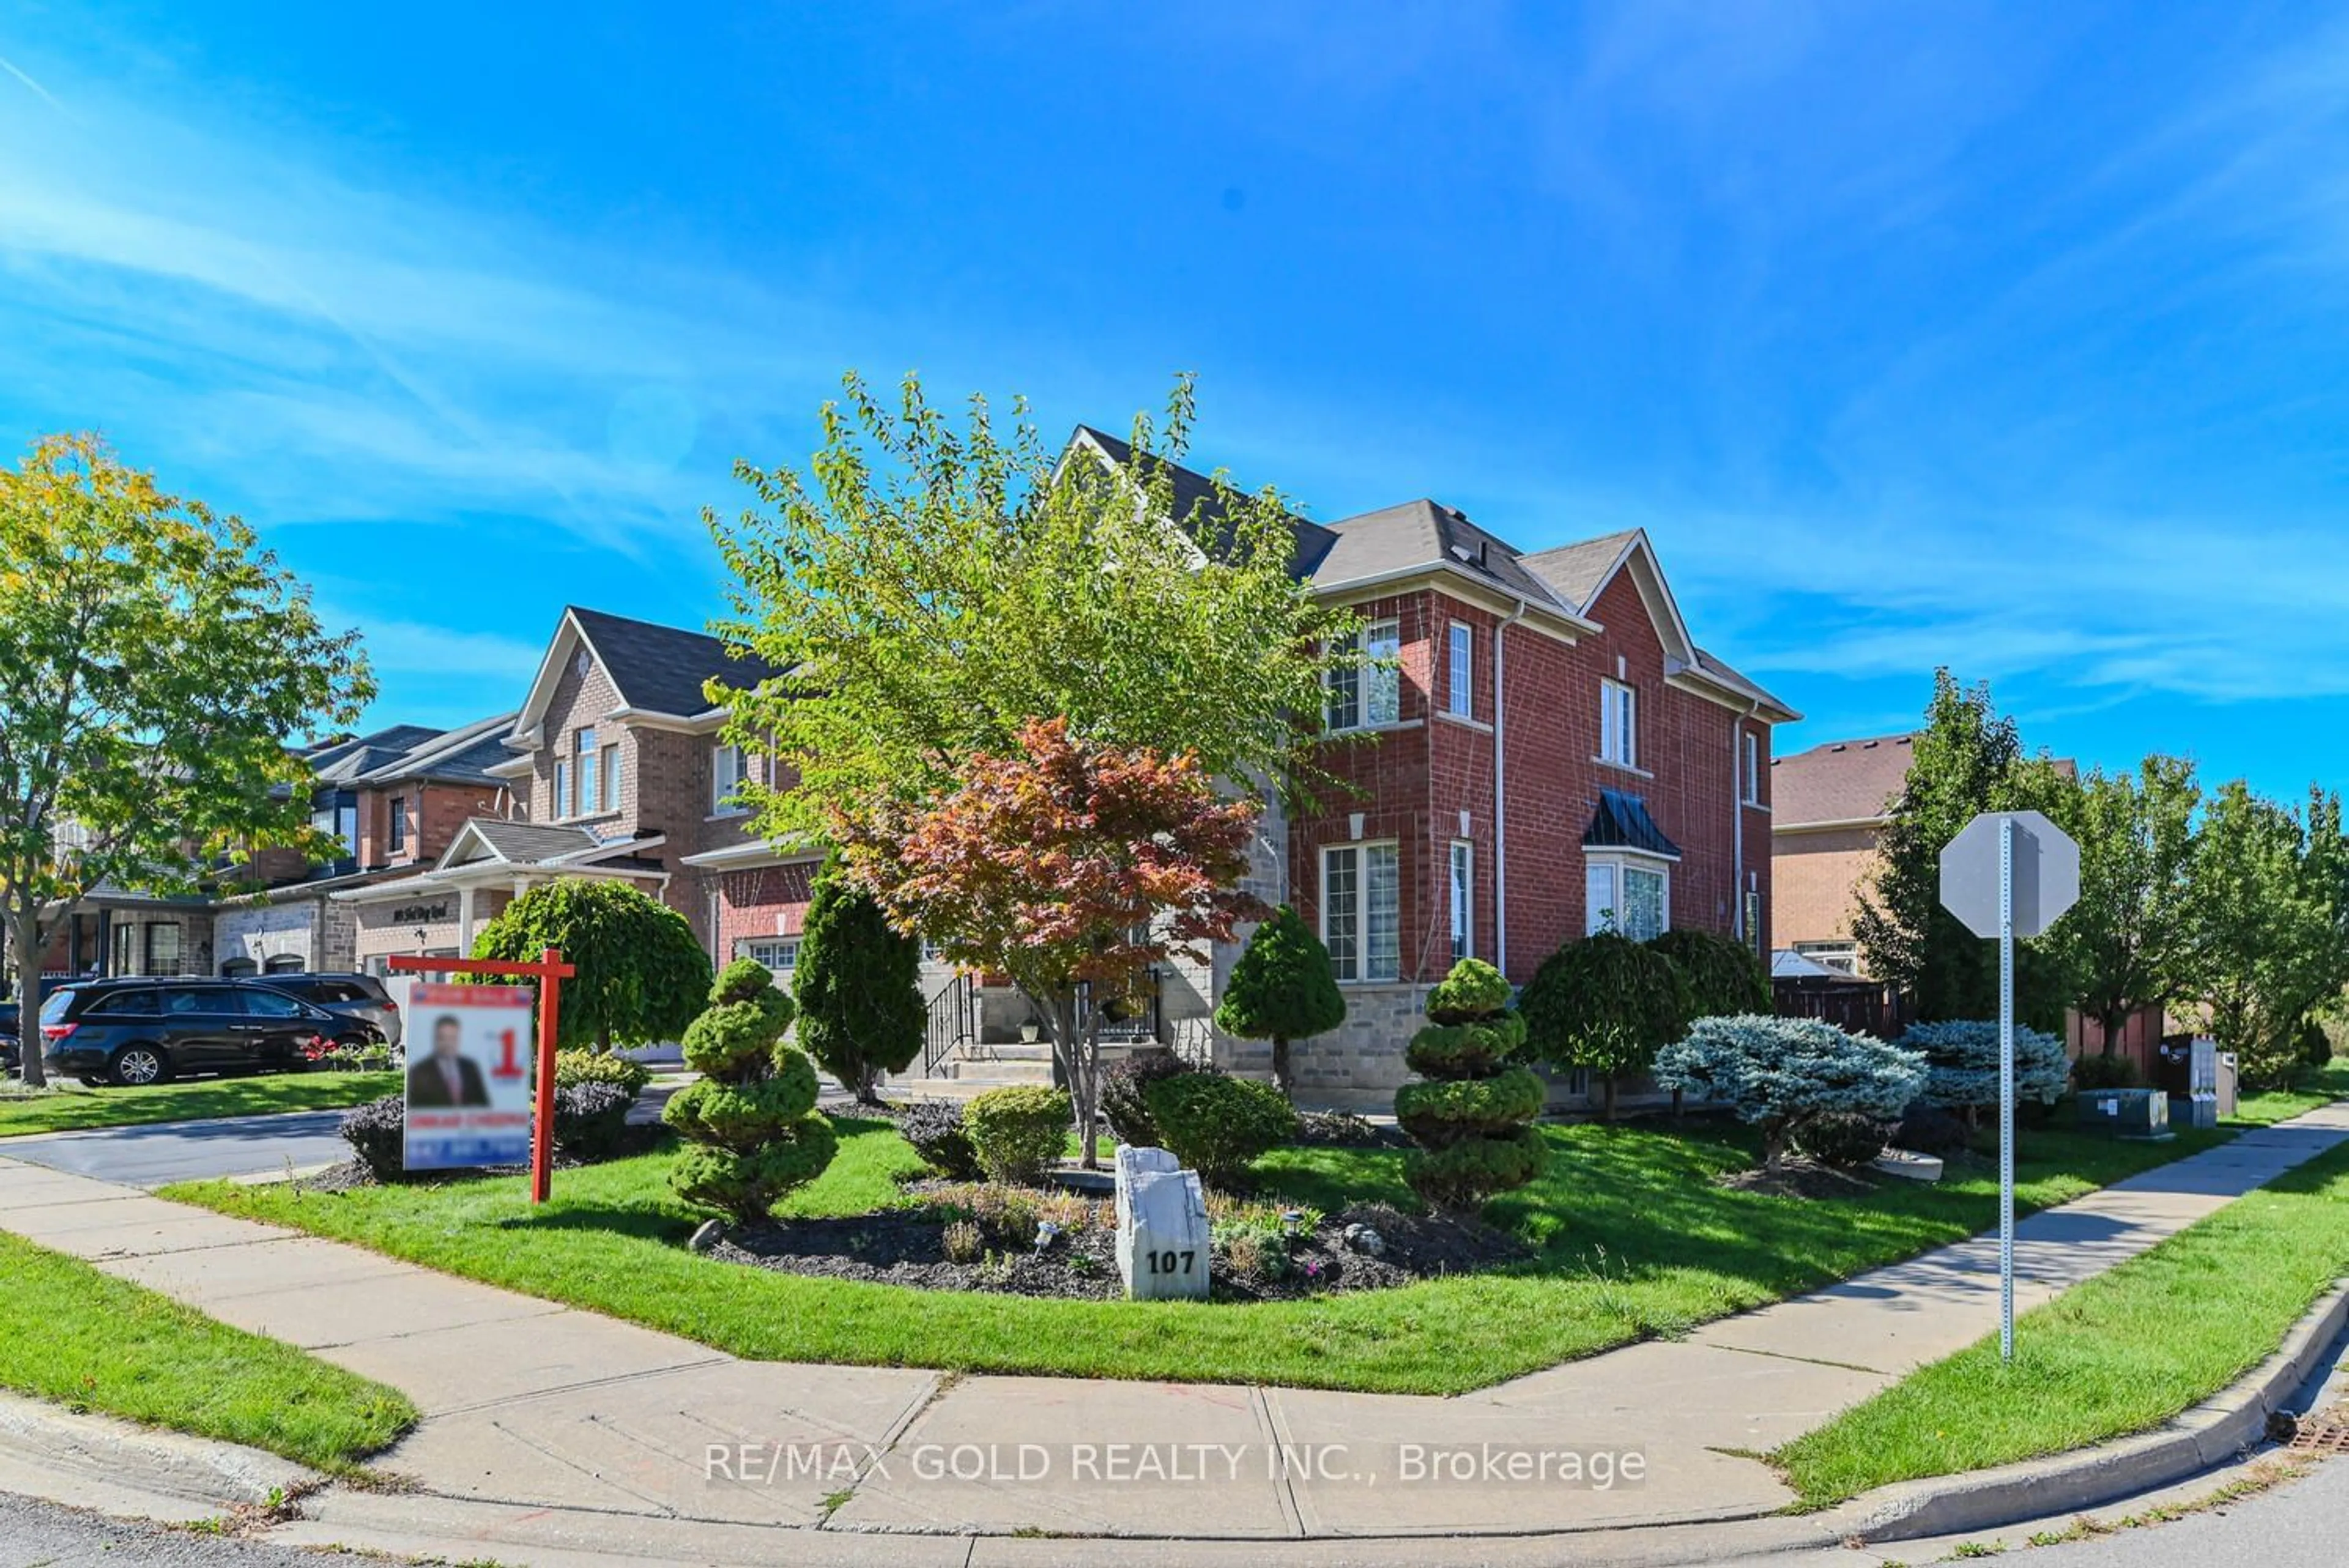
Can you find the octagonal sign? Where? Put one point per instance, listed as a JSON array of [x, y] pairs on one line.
[[2047, 873]]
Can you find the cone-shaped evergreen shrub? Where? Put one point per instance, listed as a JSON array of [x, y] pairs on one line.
[[751, 1120], [1473, 1120], [858, 986], [1281, 989]]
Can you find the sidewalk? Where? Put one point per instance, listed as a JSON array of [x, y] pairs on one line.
[[548, 1429]]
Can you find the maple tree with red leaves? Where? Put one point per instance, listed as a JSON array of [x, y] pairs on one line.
[[1072, 867]]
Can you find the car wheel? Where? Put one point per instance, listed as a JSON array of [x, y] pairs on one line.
[[134, 1067], [92, 1081]]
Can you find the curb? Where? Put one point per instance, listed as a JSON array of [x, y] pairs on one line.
[[2221, 1427]]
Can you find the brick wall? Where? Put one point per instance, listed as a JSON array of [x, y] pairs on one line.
[[1819, 879], [764, 901]]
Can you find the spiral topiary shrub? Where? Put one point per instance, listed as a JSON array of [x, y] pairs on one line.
[[1218, 1125], [1472, 1116], [1962, 1065], [1018, 1133], [751, 1120]]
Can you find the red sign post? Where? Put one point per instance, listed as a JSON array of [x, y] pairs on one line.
[[550, 972]]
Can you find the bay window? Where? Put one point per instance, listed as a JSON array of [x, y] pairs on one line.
[[1630, 894], [1366, 689]]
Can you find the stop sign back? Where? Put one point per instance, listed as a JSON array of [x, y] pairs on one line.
[[2047, 873]]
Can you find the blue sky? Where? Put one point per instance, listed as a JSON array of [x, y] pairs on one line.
[[2010, 338]]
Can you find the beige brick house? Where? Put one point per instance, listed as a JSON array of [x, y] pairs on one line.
[[1828, 807]]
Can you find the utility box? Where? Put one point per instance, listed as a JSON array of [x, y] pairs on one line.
[[2141, 1114], [2198, 1107]]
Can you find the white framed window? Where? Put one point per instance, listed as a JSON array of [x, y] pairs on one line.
[[612, 776], [1362, 910], [562, 788], [1464, 899], [399, 823], [1367, 689], [589, 773], [1632, 894], [1754, 921], [1618, 724], [728, 768], [1750, 753], [781, 954], [1460, 670]]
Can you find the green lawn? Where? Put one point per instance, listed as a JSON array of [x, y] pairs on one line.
[[85, 1339], [2317, 1086], [1634, 1240], [2121, 1353], [63, 1107]]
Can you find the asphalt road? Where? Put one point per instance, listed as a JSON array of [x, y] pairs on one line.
[[2305, 1524], [165, 1152], [43, 1533]]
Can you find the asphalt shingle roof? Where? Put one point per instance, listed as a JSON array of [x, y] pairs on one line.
[[531, 843], [1194, 492], [1576, 572], [661, 669], [1840, 781]]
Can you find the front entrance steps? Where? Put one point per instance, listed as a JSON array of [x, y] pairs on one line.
[[973, 1069]]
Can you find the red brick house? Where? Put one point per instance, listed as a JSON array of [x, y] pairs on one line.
[[1552, 751]]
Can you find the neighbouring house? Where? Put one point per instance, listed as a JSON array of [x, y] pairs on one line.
[[393, 798], [1829, 808]]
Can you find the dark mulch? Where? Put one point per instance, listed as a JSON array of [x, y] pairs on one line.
[[641, 1138], [1797, 1177], [906, 1247]]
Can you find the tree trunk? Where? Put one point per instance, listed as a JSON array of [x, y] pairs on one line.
[[1281, 1074], [1773, 1144], [1606, 1099], [1089, 1094], [25, 937]]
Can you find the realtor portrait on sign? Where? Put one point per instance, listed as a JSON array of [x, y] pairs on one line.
[[469, 1076]]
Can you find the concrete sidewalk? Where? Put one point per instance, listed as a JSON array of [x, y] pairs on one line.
[[551, 1430]]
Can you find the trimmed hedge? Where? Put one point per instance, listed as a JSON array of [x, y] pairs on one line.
[[1016, 1133], [378, 1133], [1218, 1125], [1781, 1073], [600, 1067], [1126, 1093]]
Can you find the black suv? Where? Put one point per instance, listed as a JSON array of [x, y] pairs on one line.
[[359, 997], [145, 1030]]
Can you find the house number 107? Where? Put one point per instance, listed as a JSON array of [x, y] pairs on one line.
[[1173, 1263]]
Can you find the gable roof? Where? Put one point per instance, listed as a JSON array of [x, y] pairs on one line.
[[1839, 782], [655, 670], [1426, 535], [344, 760], [461, 756], [1196, 492]]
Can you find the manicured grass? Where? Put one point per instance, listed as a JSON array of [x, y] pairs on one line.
[[64, 1108], [1633, 1236], [85, 1339], [2121, 1353], [2317, 1086]]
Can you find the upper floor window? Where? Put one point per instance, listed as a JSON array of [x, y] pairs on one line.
[[728, 768], [398, 838], [562, 789], [1618, 724], [781, 954], [338, 815], [1749, 757], [1459, 674], [1367, 689], [611, 774], [589, 775]]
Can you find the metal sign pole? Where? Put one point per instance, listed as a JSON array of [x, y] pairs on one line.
[[2006, 1089]]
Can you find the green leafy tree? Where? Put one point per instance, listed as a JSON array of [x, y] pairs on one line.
[[928, 588], [1606, 1004], [1281, 989], [2269, 917], [858, 986], [1472, 1113], [1968, 759], [751, 1122], [2130, 935], [156, 666], [1723, 974], [642, 977]]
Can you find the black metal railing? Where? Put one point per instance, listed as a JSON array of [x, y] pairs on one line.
[[952, 1023]]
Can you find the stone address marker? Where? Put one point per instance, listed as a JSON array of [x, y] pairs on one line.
[[1162, 1227]]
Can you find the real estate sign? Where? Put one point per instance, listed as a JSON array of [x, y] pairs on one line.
[[469, 1075]]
